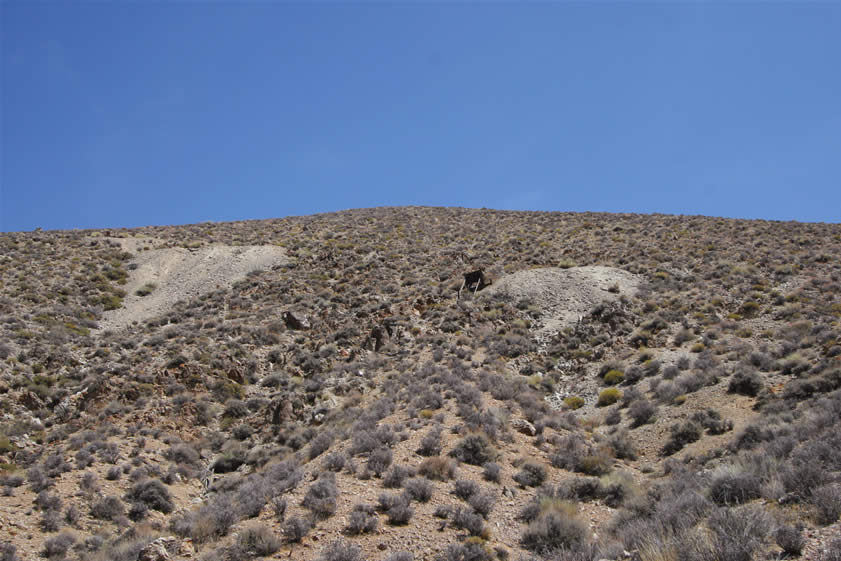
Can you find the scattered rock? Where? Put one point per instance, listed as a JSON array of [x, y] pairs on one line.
[[162, 549], [31, 401], [523, 426], [294, 322]]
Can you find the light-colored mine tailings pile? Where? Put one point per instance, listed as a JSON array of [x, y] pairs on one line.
[[184, 274], [564, 295]]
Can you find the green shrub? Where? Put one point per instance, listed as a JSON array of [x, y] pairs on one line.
[[608, 397], [613, 377], [573, 402], [110, 301]]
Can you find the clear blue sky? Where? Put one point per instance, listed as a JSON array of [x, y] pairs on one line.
[[136, 113]]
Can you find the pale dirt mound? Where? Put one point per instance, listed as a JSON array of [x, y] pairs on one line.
[[183, 274], [564, 295]]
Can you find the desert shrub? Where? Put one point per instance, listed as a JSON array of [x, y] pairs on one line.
[[137, 511], [257, 540], [464, 488], [211, 522], [108, 508], [633, 375], [651, 368], [320, 444], [72, 515], [474, 449], [598, 462], [437, 468], [57, 546], [616, 490], [827, 502], [362, 520], [321, 496], [580, 489], [50, 521], [613, 417], [622, 445], [711, 421], [282, 476], [251, 496], [335, 461], [279, 506], [235, 408], [491, 472], [399, 556], [418, 489], [570, 448], [430, 444], [790, 539], [113, 473], [670, 372], [153, 494], [761, 360], [182, 454], [463, 519], [340, 550], [228, 462], [738, 533], [400, 512], [733, 488], [363, 441], [8, 552], [641, 411], [38, 479], [47, 501], [443, 511], [802, 477], [681, 435], [551, 532], [387, 500], [531, 475], [295, 528], [608, 397], [395, 476], [469, 550], [832, 551], [745, 382], [482, 503], [379, 460], [751, 436]]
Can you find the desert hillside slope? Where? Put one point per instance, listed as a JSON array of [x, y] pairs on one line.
[[622, 387]]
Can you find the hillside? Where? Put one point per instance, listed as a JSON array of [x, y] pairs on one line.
[[642, 387]]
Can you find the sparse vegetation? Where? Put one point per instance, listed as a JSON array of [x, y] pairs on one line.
[[352, 366]]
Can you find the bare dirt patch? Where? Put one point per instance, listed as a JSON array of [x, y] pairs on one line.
[[181, 274], [564, 295]]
